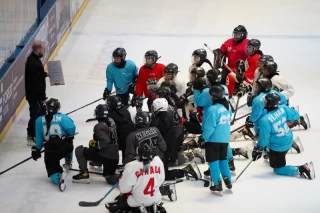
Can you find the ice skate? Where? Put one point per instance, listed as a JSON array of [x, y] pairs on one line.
[[62, 180], [307, 171], [207, 174], [241, 152], [82, 177], [228, 184], [232, 167], [297, 146], [217, 189], [169, 189], [304, 121], [192, 171], [247, 132]]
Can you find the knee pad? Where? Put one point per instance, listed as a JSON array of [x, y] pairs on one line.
[[55, 178]]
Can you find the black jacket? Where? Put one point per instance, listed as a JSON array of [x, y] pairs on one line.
[[35, 83]]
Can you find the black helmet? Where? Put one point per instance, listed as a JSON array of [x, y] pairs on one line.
[[264, 58], [53, 106], [114, 102], [271, 100], [145, 155], [171, 69], [142, 119], [171, 84], [213, 76], [270, 66], [201, 53], [153, 54], [255, 44], [240, 30], [264, 85], [198, 72], [119, 52], [101, 111], [216, 92], [164, 92]]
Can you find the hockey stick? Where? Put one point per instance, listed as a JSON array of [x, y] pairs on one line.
[[98, 99], [244, 170], [240, 127], [90, 204], [235, 111], [26, 159], [208, 47], [243, 116], [90, 119], [78, 170]]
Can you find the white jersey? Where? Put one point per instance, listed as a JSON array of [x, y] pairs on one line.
[[257, 76], [180, 84], [143, 187], [286, 89]]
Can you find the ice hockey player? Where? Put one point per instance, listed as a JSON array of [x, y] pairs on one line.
[[199, 59], [120, 72], [234, 49], [275, 133], [55, 132], [170, 73], [103, 148], [279, 84], [122, 118], [258, 73], [151, 70], [241, 81], [144, 134], [139, 183], [173, 88], [216, 134], [202, 99], [167, 121]]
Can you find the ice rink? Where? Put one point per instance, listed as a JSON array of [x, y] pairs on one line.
[[288, 30]]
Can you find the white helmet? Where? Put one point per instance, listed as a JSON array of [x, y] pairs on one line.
[[160, 105]]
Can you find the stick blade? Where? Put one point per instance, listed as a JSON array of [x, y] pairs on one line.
[[89, 204]]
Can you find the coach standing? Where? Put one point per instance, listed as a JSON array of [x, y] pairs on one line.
[[35, 85]]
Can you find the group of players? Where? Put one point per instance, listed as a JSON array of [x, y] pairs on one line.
[[154, 140]]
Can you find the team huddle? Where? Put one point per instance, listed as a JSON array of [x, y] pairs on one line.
[[155, 140]]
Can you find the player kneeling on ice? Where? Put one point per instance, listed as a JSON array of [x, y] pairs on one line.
[[216, 133], [139, 183], [52, 131], [167, 121], [275, 133], [103, 148]]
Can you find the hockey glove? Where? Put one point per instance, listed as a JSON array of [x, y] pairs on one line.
[[240, 67], [249, 99], [92, 144], [35, 153], [106, 94], [277, 89], [249, 124], [134, 100], [194, 116], [243, 89], [152, 84], [256, 153]]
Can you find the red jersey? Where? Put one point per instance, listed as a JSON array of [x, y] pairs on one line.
[[146, 73], [234, 51], [251, 66]]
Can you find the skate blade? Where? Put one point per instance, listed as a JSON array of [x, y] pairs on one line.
[[296, 108], [312, 171], [217, 193], [298, 141], [81, 181], [207, 177], [62, 185], [306, 119], [233, 173]]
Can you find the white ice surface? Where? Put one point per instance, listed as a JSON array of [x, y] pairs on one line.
[[288, 30]]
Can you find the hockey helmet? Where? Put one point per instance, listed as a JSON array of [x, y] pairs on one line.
[[53, 106], [101, 111], [239, 33], [213, 76], [160, 105], [119, 52], [271, 100], [145, 154], [114, 102], [153, 55], [198, 72], [270, 67], [142, 119], [164, 92], [253, 46], [263, 85], [216, 92], [171, 84], [198, 56], [171, 69]]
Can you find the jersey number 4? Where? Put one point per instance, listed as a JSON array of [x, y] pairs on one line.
[[149, 190], [281, 127]]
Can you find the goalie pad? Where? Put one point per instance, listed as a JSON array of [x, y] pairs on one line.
[[219, 58]]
